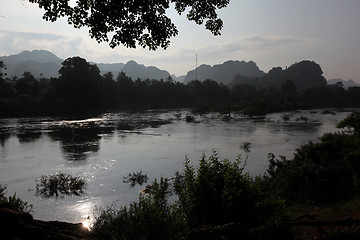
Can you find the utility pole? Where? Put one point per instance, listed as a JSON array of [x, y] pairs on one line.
[[196, 68]]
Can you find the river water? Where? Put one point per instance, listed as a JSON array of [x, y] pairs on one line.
[[105, 148]]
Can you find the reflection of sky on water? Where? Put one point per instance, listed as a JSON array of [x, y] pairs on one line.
[[104, 149]]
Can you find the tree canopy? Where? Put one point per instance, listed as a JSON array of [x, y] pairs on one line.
[[133, 21], [2, 66]]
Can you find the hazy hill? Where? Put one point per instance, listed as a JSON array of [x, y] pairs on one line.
[[40, 56], [224, 73], [179, 78], [346, 84], [46, 64], [38, 62], [114, 68], [136, 71], [305, 74]]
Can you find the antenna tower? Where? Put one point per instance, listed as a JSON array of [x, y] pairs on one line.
[[196, 68]]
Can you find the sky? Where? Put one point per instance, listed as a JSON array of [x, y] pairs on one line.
[[276, 33]]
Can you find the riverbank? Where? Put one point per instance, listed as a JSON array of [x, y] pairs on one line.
[[330, 221], [335, 221], [21, 225]]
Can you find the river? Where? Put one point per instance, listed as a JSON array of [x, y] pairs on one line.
[[103, 149]]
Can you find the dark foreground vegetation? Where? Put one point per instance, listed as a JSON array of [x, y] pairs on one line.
[[80, 89]]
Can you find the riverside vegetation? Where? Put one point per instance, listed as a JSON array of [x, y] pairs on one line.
[[80, 89], [217, 199]]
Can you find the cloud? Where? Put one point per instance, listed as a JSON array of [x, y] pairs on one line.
[[269, 42], [16, 42], [251, 44], [220, 49]]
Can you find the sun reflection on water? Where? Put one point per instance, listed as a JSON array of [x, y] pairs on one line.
[[85, 210], [87, 223]]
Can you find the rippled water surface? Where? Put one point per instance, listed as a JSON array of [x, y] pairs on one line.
[[105, 148]]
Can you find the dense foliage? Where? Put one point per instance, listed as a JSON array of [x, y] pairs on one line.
[[14, 202], [81, 89], [133, 22], [152, 217], [324, 171]]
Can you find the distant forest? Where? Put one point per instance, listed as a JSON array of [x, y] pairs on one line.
[[81, 89]]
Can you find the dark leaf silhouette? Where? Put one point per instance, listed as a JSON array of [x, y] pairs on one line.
[[133, 22], [136, 178]]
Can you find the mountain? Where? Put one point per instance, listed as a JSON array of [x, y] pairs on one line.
[[179, 78], [46, 64], [224, 73], [114, 68], [135, 71], [40, 56], [346, 84], [305, 74], [38, 62]]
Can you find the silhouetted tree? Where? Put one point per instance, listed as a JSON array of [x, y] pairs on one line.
[[79, 84], [2, 66], [288, 89], [125, 89], [5, 88], [109, 88], [27, 85], [354, 96], [131, 22]]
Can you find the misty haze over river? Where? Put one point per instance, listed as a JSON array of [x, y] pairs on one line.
[[105, 148]]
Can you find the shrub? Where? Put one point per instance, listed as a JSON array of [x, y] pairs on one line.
[[217, 193], [152, 217], [135, 178], [15, 203], [2, 192], [19, 205], [323, 171], [60, 184]]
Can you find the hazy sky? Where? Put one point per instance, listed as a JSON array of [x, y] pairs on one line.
[[269, 32]]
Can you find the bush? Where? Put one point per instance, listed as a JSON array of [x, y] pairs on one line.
[[217, 193], [19, 205], [135, 178], [323, 171], [2, 193], [152, 217], [60, 184], [15, 203]]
